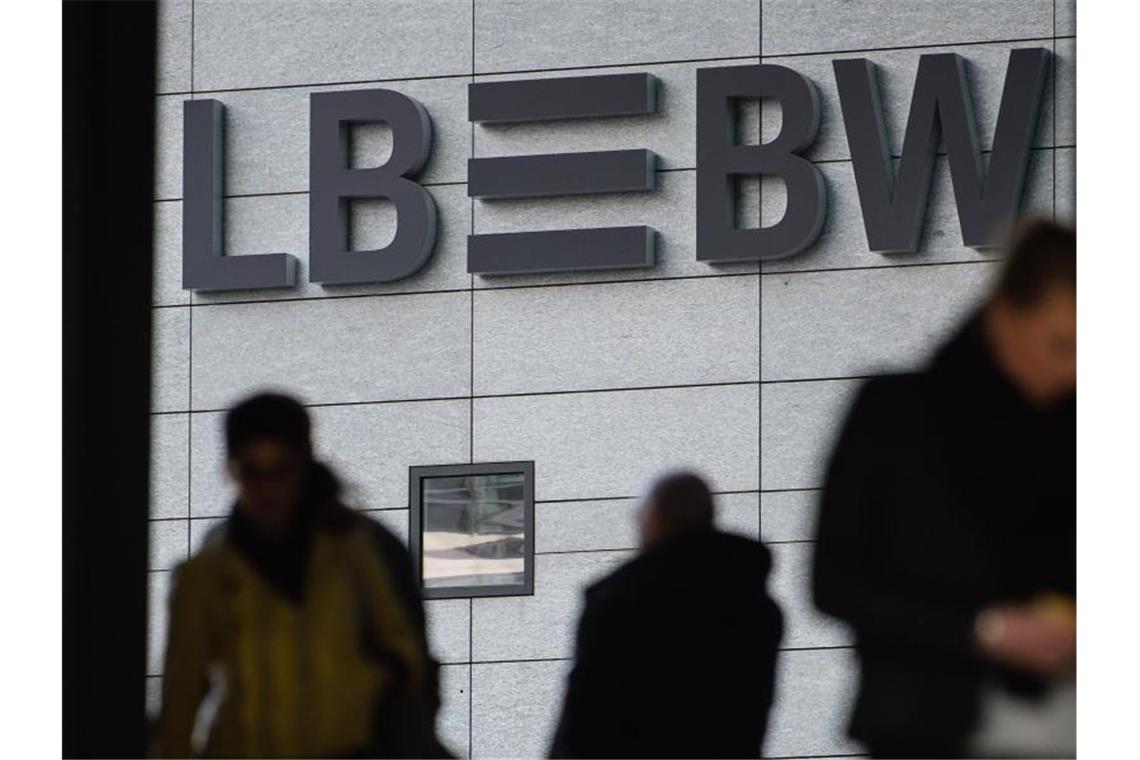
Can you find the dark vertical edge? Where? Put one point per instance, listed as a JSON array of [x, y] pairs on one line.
[[415, 524], [108, 88], [528, 526]]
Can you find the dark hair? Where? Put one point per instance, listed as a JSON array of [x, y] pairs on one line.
[[274, 415], [1042, 254], [683, 500], [269, 415]]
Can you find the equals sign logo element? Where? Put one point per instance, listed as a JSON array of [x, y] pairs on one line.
[[562, 174]]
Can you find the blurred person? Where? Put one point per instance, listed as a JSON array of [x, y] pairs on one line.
[[297, 630], [947, 528], [676, 649]]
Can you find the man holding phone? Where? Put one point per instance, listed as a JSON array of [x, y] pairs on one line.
[[947, 532]]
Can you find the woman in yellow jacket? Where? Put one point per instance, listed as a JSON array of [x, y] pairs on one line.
[[291, 633]]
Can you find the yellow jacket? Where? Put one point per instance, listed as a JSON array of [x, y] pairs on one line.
[[252, 673]]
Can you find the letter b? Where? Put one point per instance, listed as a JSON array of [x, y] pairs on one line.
[[719, 160], [333, 183]]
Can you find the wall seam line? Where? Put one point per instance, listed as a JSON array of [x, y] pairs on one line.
[[1056, 112], [615, 65], [760, 311], [471, 439], [584, 283], [190, 359], [582, 392]]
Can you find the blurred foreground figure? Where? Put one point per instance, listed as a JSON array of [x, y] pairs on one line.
[[947, 533], [676, 649], [297, 629]]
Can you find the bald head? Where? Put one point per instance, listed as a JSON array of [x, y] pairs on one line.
[[676, 503]]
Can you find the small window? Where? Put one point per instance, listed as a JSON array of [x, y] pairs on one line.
[[472, 529]]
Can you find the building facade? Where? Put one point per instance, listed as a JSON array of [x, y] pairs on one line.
[[601, 378]]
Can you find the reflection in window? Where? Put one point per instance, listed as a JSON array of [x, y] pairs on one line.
[[471, 526], [473, 530]]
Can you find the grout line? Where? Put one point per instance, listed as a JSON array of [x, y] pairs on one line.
[[629, 497], [1056, 112], [471, 278], [312, 85], [762, 273], [760, 315], [535, 394], [527, 660], [471, 664], [595, 66], [470, 672], [190, 358], [469, 76], [843, 378], [813, 757], [801, 489], [927, 46], [471, 443], [614, 65], [223, 515], [583, 283], [634, 549], [332, 404], [523, 660], [577, 500], [576, 392], [332, 297], [561, 552]]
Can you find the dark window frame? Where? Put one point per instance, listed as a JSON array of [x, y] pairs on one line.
[[416, 476]]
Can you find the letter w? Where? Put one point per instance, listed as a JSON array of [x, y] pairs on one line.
[[894, 208]]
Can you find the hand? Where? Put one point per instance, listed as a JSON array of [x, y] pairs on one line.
[[1027, 638]]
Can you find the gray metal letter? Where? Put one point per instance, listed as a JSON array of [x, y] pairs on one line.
[[204, 263], [561, 250], [590, 97], [332, 183], [719, 160], [894, 207], [536, 176], [552, 174]]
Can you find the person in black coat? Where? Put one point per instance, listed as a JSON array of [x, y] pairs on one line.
[[947, 528], [676, 649]]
